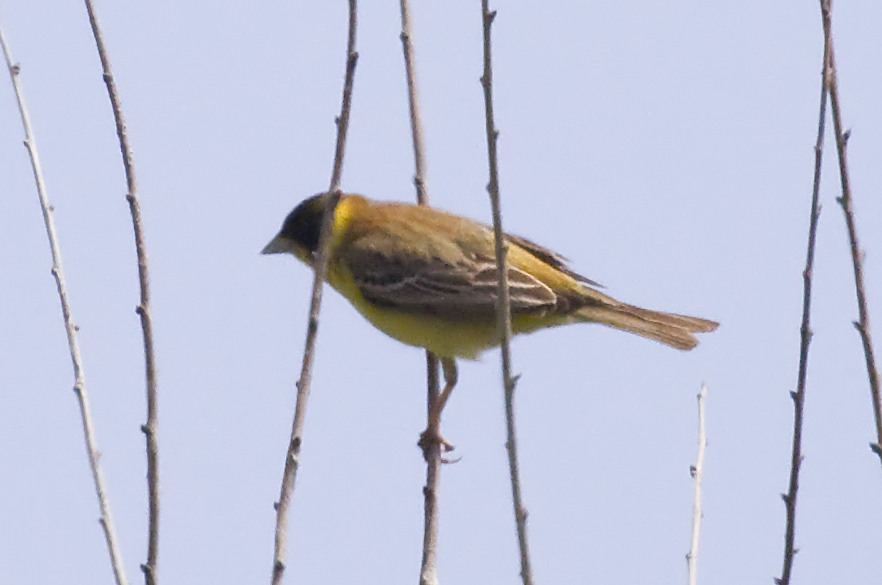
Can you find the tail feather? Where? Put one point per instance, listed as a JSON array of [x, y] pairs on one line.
[[669, 328]]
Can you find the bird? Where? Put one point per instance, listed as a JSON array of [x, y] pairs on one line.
[[428, 278]]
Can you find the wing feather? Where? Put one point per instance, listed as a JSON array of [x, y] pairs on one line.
[[417, 282], [550, 257]]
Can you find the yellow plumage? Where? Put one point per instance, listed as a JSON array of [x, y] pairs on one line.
[[428, 278]]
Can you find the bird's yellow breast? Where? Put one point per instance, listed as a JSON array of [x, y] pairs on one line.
[[465, 338], [442, 337]]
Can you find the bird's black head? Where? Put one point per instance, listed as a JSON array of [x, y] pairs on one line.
[[301, 230], [304, 224]]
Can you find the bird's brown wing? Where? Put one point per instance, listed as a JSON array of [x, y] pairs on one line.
[[458, 287]]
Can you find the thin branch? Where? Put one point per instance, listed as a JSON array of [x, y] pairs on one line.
[[432, 452], [857, 256], [413, 100], [432, 449], [79, 388], [805, 336], [503, 307], [342, 120], [292, 457], [143, 308], [697, 472]]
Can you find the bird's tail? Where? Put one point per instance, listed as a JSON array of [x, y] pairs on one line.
[[668, 328]]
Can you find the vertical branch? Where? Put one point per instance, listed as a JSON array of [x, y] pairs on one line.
[[697, 472], [342, 121], [857, 255], [432, 452], [143, 308], [79, 388], [413, 100], [503, 307], [805, 335], [292, 456], [432, 449]]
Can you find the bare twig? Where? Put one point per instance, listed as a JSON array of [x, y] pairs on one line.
[[432, 448], [413, 100], [143, 308], [292, 457], [503, 308], [432, 452], [697, 472], [79, 388], [863, 322], [805, 336]]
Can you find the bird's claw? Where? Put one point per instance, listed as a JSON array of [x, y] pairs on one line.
[[431, 438]]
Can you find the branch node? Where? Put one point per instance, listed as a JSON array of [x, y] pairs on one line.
[[807, 332]]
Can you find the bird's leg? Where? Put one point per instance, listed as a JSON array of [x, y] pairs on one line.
[[432, 434], [448, 365]]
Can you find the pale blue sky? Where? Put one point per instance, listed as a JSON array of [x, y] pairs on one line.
[[666, 148]]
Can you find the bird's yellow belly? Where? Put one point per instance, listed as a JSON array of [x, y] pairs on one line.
[[444, 338], [455, 338]]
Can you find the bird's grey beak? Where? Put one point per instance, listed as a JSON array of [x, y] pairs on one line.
[[277, 245]]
